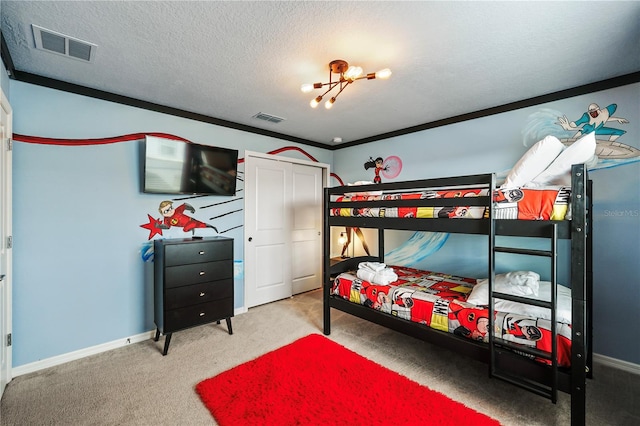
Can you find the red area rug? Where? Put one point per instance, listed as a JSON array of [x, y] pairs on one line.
[[315, 381]]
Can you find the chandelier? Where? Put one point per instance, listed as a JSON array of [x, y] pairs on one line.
[[347, 75]]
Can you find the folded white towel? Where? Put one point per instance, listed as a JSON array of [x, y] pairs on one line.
[[384, 277], [373, 266], [527, 279], [518, 283]]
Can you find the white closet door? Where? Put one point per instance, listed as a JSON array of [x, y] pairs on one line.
[[267, 230], [306, 224]]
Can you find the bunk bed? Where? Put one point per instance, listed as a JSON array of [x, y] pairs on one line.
[[427, 205]]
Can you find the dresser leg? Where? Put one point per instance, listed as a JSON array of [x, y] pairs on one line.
[[155, 339], [166, 343], [229, 325]]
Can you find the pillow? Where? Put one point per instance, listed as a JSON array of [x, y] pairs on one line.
[[533, 162], [563, 301], [363, 193], [518, 283], [559, 172]]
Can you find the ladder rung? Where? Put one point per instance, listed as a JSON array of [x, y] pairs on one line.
[[520, 299], [530, 252], [525, 349], [530, 386]]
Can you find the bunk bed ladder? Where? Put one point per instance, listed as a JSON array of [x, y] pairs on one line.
[[550, 388]]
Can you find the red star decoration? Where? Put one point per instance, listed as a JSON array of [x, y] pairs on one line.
[[152, 226]]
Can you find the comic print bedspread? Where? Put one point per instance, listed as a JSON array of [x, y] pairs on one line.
[[439, 301], [550, 203]]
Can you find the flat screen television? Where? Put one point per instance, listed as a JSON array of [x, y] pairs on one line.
[[177, 167]]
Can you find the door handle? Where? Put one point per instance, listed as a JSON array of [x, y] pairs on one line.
[[250, 239]]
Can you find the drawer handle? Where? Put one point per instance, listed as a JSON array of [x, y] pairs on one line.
[[201, 293], [201, 314], [201, 273], [201, 252]]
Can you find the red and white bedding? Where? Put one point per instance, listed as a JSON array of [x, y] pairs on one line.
[[440, 301], [516, 203]]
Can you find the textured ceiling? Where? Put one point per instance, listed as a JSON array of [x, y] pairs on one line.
[[230, 60]]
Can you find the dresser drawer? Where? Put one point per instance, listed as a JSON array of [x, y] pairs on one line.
[[182, 254], [177, 319], [179, 297], [176, 276]]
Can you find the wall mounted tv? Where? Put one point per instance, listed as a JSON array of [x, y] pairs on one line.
[[176, 167]]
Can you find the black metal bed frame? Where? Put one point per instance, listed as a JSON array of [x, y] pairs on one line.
[[534, 376]]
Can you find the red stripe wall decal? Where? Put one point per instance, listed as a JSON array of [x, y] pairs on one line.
[[138, 136], [100, 141]]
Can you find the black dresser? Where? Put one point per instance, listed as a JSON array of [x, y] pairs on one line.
[[193, 284]]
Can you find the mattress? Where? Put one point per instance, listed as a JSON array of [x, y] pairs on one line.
[[439, 301], [551, 203]]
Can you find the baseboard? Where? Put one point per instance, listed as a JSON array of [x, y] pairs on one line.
[[93, 350], [82, 353], [616, 363]]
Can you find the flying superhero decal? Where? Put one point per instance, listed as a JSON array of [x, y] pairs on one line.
[[599, 120], [594, 120], [174, 217], [377, 165], [389, 167]]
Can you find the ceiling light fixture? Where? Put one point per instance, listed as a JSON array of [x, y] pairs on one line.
[[348, 74]]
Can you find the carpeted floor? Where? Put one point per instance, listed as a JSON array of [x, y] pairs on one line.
[[136, 385]]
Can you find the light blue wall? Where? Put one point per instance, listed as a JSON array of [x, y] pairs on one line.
[[79, 278], [4, 80], [494, 144]]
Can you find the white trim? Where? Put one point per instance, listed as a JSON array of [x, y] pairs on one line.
[[275, 157], [82, 353], [6, 231], [617, 363], [94, 350]]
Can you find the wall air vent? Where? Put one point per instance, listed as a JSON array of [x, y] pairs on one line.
[[268, 117], [61, 44]]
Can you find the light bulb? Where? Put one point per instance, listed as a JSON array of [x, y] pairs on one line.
[[314, 102], [306, 88], [385, 73], [329, 103], [353, 72]]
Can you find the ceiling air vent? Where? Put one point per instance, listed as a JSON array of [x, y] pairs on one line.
[[61, 44], [268, 117]]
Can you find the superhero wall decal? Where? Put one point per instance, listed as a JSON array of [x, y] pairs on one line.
[[613, 148], [389, 167], [174, 217]]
